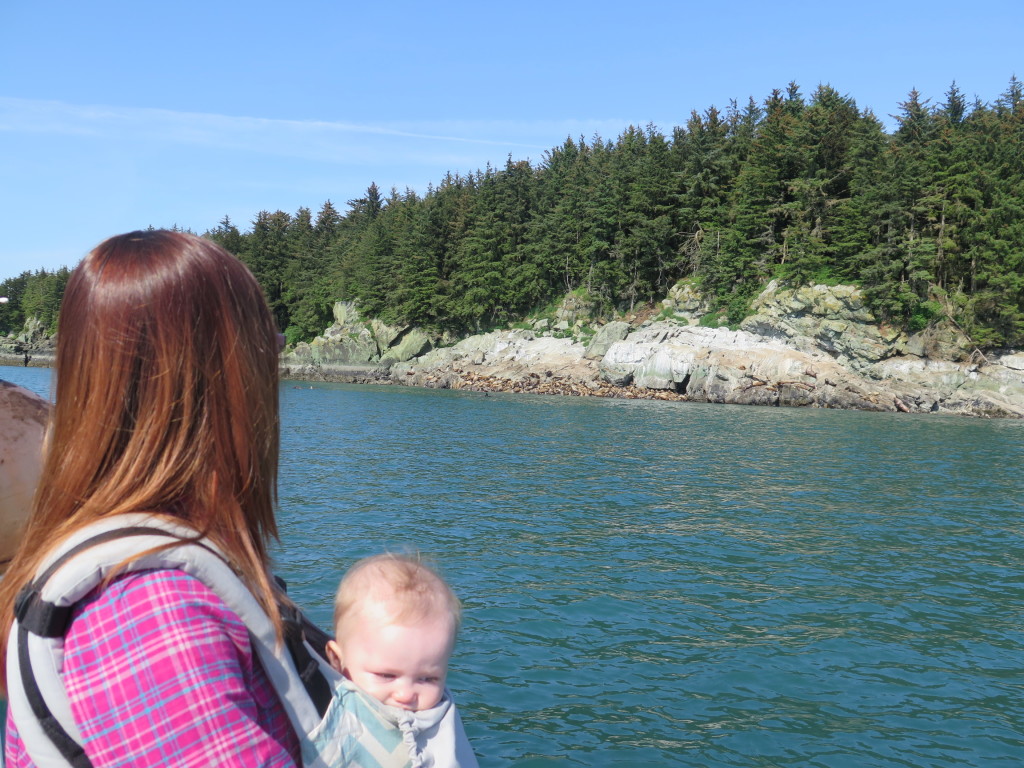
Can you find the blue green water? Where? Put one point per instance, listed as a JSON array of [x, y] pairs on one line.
[[662, 584]]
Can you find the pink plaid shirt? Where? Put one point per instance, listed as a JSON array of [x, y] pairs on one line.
[[161, 673]]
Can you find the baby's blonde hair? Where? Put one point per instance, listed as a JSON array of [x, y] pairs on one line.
[[410, 588]]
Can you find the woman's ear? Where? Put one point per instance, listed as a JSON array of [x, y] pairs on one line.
[[334, 655]]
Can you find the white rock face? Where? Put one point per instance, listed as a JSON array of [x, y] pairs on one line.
[[1013, 361], [511, 355], [813, 346]]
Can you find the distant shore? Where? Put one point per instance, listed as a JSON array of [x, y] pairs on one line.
[[339, 374], [374, 374], [41, 360], [467, 381]]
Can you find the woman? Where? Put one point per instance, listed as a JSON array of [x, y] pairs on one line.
[[166, 403]]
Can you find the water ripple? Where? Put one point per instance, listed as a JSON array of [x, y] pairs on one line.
[[673, 583]]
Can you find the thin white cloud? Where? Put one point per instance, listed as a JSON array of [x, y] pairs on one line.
[[156, 166], [462, 145], [323, 140]]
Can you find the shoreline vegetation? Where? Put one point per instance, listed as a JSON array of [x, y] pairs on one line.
[[898, 257]]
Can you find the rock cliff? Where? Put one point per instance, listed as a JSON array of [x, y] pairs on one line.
[[33, 346], [810, 346], [354, 349]]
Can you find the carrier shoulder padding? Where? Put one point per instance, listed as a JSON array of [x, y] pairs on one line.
[[39, 705]]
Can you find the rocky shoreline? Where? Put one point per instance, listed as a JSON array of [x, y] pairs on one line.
[[813, 346], [32, 348], [473, 381]]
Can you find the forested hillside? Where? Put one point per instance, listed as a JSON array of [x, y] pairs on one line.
[[32, 294], [929, 220]]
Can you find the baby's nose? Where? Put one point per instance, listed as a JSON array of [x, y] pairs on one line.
[[404, 696]]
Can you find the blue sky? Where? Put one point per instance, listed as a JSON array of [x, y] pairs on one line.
[[119, 115]]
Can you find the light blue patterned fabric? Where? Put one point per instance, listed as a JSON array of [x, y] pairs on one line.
[[359, 732]]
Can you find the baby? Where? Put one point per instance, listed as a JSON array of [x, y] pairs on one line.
[[395, 623]]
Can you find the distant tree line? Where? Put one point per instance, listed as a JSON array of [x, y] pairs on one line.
[[32, 294], [929, 220]]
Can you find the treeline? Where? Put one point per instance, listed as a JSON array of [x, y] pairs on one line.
[[929, 220], [32, 294]]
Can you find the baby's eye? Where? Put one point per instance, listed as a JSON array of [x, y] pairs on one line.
[[431, 680], [384, 675]]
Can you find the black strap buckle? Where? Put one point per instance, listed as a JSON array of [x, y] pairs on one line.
[[23, 602], [39, 617]]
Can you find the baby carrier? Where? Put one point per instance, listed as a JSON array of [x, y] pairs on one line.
[[303, 680], [360, 732]]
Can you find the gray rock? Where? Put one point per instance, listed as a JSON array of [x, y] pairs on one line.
[[687, 302], [618, 377], [358, 349], [345, 313], [351, 341], [510, 355], [412, 344], [945, 341], [572, 309], [385, 335], [661, 370], [813, 346], [33, 334], [835, 319], [604, 338], [1013, 361]]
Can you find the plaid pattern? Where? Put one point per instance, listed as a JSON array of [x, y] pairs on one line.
[[161, 673]]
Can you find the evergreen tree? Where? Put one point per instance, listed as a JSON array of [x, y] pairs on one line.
[[347, 249], [227, 236], [418, 273], [896, 267], [764, 205], [929, 221], [559, 237], [645, 240], [601, 225], [41, 296], [266, 252], [479, 275], [705, 172], [448, 214], [824, 133]]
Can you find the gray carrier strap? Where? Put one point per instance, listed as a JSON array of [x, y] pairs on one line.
[[35, 655]]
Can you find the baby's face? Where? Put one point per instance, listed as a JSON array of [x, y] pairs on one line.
[[402, 666]]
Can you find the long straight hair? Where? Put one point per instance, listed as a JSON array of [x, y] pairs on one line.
[[166, 402]]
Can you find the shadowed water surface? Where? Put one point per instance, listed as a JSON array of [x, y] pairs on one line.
[[661, 584]]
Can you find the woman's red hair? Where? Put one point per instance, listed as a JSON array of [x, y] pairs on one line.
[[166, 402]]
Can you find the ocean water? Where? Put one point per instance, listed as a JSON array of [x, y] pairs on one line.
[[662, 584]]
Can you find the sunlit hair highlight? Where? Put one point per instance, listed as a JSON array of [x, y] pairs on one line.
[[166, 402], [405, 587]]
